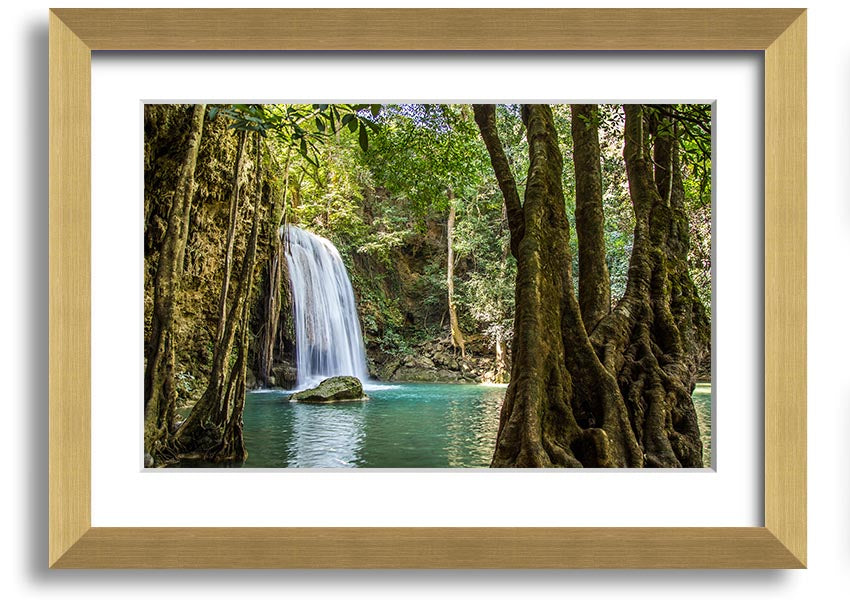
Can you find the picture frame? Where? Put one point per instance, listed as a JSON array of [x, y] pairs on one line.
[[780, 34]]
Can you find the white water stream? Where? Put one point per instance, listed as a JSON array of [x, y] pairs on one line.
[[328, 340]]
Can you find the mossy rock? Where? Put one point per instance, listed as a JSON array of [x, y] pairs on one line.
[[334, 389]]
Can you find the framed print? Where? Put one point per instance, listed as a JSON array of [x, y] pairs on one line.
[[346, 324]]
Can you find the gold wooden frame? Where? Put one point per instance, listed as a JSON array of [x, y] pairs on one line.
[[779, 33]]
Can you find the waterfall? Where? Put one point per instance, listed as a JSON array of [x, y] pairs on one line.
[[328, 341]]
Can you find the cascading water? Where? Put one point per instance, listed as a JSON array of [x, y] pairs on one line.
[[328, 341]]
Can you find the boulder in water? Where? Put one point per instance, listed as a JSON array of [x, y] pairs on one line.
[[334, 389]]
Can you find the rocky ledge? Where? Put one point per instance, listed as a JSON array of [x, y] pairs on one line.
[[436, 361], [333, 389]]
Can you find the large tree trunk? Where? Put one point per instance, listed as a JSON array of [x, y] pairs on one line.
[[688, 310], [456, 335], [160, 392], [620, 397], [642, 341], [562, 408], [231, 237], [485, 118], [594, 284]]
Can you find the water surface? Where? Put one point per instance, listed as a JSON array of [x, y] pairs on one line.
[[410, 425], [702, 404]]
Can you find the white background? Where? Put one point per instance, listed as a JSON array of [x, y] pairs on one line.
[[124, 495], [24, 359]]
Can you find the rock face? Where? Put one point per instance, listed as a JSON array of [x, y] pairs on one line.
[[283, 374], [435, 362], [333, 389]]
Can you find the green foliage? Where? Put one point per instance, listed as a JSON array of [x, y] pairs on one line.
[[377, 181], [424, 150], [485, 291], [423, 157], [302, 126], [693, 123], [619, 251]]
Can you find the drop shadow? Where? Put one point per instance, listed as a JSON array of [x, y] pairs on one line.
[[344, 582], [37, 289]]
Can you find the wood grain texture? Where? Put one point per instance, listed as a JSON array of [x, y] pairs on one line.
[[785, 288], [428, 29], [458, 548], [69, 303], [74, 33]]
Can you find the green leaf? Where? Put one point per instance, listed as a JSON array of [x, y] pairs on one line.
[[352, 125], [364, 139], [375, 108], [213, 112], [320, 125]]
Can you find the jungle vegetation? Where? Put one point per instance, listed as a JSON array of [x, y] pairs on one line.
[[562, 249]]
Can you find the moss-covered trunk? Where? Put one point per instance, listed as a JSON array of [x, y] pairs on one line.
[[232, 446], [621, 396], [562, 408], [213, 430], [643, 341], [160, 392], [594, 284]]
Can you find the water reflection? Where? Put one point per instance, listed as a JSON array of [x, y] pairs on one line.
[[702, 404], [401, 426], [471, 427], [325, 436]]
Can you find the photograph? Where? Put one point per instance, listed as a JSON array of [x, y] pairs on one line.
[[427, 286]]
